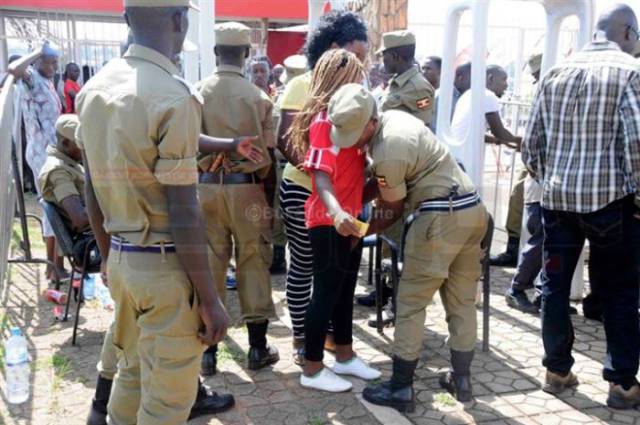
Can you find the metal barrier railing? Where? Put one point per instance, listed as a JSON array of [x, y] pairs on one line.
[[515, 114], [7, 188]]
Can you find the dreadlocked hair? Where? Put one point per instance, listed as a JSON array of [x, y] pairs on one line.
[[335, 68]]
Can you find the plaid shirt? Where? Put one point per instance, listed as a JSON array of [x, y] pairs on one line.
[[583, 137]]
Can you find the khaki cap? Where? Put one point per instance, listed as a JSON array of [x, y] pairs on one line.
[[293, 66], [535, 62], [350, 109], [233, 34], [66, 126], [160, 3], [396, 39]]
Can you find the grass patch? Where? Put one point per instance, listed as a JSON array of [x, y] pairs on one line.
[[229, 354], [35, 235], [445, 399], [58, 364], [316, 421]]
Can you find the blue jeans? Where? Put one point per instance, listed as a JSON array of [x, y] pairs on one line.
[[530, 261], [613, 233]]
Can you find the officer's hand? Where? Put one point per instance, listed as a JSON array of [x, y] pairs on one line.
[[216, 322], [245, 147], [344, 224]]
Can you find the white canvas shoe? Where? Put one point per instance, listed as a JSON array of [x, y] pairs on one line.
[[356, 367], [325, 380]]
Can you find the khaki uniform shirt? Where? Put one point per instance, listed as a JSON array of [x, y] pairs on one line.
[[233, 107], [410, 92], [139, 127], [60, 178], [409, 162]]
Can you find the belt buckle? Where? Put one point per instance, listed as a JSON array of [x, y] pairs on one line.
[[452, 193]]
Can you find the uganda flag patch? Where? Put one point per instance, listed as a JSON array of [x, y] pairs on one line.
[[423, 103]]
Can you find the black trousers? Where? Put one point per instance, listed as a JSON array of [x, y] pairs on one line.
[[614, 236], [335, 273]]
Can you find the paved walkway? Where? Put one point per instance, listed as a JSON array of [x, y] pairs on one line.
[[506, 380]]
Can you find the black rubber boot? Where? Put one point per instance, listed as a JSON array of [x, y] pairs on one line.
[[398, 392], [98, 413], [509, 258], [260, 353], [279, 261], [208, 402], [458, 381], [209, 361]]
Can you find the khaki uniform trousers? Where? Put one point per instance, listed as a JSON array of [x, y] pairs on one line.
[[155, 331], [516, 205], [238, 215], [442, 253], [108, 364]]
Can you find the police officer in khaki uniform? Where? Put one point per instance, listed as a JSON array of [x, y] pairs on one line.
[[231, 190], [139, 130], [61, 179], [442, 251], [408, 90]]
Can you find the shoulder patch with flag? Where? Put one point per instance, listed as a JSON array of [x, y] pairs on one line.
[[423, 103]]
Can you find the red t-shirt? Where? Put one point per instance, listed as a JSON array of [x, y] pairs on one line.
[[69, 106], [345, 167]]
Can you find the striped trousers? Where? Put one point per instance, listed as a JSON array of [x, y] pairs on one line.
[[300, 271]]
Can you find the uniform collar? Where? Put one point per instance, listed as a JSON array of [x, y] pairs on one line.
[[153, 56], [401, 79], [57, 153], [230, 68]]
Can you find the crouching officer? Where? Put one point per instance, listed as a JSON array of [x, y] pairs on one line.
[[408, 90], [231, 190], [61, 179], [139, 128], [442, 251]]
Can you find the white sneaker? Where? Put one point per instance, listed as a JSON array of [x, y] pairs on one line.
[[325, 380], [357, 368]]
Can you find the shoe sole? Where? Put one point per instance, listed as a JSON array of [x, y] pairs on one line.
[[260, 365], [515, 306], [556, 389], [355, 376], [620, 403], [402, 407], [198, 413], [323, 390]]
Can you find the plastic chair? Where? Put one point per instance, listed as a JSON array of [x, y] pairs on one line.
[[65, 240]]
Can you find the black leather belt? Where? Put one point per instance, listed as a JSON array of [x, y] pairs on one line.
[[232, 178]]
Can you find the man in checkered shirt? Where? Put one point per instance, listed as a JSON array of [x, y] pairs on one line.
[[583, 145]]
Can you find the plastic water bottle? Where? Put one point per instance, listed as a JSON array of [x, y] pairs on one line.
[[231, 282], [89, 288], [102, 292], [17, 368]]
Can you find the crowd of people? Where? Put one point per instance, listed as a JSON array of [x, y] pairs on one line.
[[175, 181]]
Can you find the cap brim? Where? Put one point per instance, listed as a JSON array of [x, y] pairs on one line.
[[193, 6], [380, 50], [345, 139]]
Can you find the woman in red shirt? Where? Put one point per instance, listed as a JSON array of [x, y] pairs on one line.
[[338, 181], [71, 87]]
